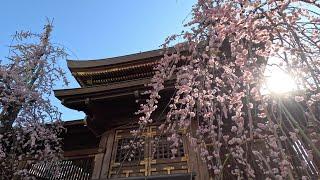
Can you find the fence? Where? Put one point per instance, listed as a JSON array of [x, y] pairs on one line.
[[72, 169]]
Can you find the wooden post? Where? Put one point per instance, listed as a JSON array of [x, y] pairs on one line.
[[97, 165], [98, 160], [195, 163], [108, 153]]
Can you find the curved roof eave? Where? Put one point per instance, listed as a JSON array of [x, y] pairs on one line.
[[82, 64]]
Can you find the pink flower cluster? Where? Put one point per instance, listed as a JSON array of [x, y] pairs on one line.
[[218, 71]]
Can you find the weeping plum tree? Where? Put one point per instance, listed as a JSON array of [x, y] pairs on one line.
[[29, 123], [219, 66]]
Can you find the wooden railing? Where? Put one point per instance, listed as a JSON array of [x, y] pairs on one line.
[[71, 169]]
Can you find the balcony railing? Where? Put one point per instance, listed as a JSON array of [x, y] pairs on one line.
[[72, 169]]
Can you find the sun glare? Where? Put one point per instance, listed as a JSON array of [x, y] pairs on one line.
[[278, 81]]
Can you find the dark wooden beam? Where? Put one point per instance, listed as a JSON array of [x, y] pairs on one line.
[[80, 153]]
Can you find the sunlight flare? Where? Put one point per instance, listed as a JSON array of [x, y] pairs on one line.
[[277, 81]]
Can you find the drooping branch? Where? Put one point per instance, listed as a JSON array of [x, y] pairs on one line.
[[219, 87], [26, 82]]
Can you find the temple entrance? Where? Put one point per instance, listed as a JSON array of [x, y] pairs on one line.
[[150, 156]]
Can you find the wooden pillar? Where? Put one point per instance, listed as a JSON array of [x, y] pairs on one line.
[[108, 153], [98, 159], [97, 166], [195, 163]]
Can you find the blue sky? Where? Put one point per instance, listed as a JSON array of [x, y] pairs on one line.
[[95, 29]]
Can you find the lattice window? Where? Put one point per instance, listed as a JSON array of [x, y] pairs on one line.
[[153, 157], [162, 149], [125, 152]]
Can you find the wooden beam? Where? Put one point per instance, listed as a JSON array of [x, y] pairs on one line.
[[82, 152]]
